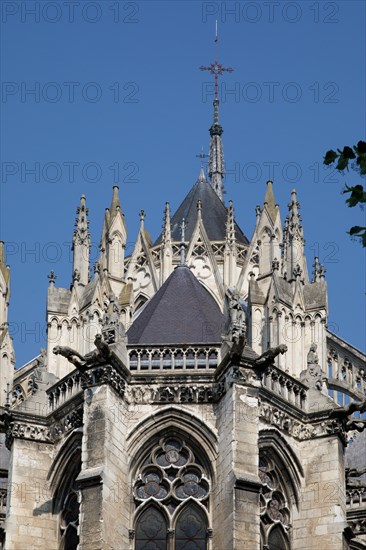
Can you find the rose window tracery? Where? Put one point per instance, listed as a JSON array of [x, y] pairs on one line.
[[172, 485]]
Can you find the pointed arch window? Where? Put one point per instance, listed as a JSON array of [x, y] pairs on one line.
[[151, 530], [171, 492], [191, 529], [66, 501], [277, 540], [275, 506]]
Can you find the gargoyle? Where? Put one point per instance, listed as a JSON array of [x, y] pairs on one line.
[[238, 347], [72, 356], [267, 357], [102, 347], [345, 413], [354, 473]]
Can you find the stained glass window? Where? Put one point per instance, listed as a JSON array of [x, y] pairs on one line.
[[191, 529], [277, 540], [171, 477], [151, 530]]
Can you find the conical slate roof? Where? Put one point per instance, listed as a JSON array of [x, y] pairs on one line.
[[214, 214], [181, 312]]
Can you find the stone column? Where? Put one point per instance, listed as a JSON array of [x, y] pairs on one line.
[[236, 507], [322, 510], [104, 509]]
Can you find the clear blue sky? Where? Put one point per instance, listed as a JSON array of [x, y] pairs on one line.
[[117, 85]]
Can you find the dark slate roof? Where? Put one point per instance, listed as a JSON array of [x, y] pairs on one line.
[[315, 295], [58, 299], [214, 215], [181, 312]]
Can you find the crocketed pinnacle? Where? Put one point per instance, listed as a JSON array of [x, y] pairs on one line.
[[216, 163]]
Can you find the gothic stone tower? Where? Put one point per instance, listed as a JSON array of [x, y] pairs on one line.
[[190, 396]]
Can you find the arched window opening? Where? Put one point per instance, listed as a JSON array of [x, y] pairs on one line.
[[171, 493], [66, 502], [69, 522], [277, 540], [151, 530], [191, 529], [275, 508]]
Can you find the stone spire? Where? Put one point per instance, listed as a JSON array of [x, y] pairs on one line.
[[167, 237], [114, 237], [81, 245], [6, 343], [216, 162], [294, 261], [230, 248], [269, 202], [216, 168], [230, 225], [166, 251]]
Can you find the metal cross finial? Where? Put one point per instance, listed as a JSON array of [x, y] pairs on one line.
[[52, 277], [216, 68], [202, 156]]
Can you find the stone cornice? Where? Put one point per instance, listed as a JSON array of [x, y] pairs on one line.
[[300, 429]]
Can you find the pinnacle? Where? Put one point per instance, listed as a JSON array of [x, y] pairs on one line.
[[269, 201], [115, 204]]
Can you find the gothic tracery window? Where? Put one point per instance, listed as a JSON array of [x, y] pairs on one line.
[[275, 511], [171, 493]]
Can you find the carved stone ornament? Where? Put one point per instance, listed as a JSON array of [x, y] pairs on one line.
[[171, 394], [33, 432], [300, 430], [70, 422], [104, 375]]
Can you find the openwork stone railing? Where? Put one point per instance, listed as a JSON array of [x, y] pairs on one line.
[[356, 498], [64, 390], [346, 369], [170, 358], [285, 386]]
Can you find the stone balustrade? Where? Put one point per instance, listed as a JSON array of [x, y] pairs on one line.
[[345, 370], [64, 390], [285, 386], [155, 358], [356, 498]]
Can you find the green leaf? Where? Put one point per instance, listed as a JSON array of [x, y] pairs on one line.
[[360, 232], [361, 161], [330, 157], [342, 163], [357, 195], [348, 153], [361, 147]]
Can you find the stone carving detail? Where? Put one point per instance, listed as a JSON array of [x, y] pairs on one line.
[[299, 430], [97, 357], [113, 330], [285, 423], [104, 375], [352, 475], [171, 475], [70, 422], [171, 394], [71, 355], [344, 416], [313, 376], [34, 432], [237, 319], [268, 356]]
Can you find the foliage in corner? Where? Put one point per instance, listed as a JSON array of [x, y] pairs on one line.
[[357, 194]]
